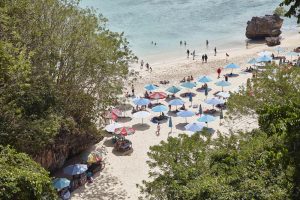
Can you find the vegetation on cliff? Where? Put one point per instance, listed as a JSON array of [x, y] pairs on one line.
[[60, 68], [262, 164], [21, 178]]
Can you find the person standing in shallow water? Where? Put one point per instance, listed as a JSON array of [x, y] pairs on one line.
[[206, 43], [205, 58], [180, 43], [184, 43], [215, 51], [194, 54], [188, 53]]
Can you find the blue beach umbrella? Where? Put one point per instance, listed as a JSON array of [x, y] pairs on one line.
[[141, 101], [252, 61], [194, 127], [60, 183], [185, 114], [200, 110], [223, 84], [279, 50], [159, 108], [223, 94], [264, 58], [75, 169], [150, 87], [232, 66], [214, 101], [173, 89], [206, 119], [188, 85], [292, 53], [204, 79], [176, 102]]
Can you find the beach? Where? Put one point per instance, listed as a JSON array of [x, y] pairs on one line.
[[121, 174]]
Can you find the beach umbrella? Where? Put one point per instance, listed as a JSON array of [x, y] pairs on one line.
[[223, 84], [200, 110], [252, 61], [223, 94], [151, 87], [176, 102], [111, 127], [264, 58], [61, 183], [185, 114], [206, 119], [194, 127], [188, 85], [232, 66], [124, 131], [116, 112], [159, 108], [141, 115], [221, 115], [214, 101], [75, 169], [141, 101], [94, 157], [279, 49], [206, 92], [204, 79], [292, 53], [191, 98], [170, 123], [265, 53], [173, 89], [158, 95]]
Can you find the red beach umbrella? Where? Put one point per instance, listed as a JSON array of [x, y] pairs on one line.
[[124, 131], [158, 95], [116, 112]]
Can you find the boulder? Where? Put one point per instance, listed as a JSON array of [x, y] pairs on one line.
[[262, 27], [273, 41]]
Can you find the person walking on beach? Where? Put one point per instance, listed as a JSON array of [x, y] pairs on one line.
[[142, 64], [206, 43], [158, 129], [147, 66], [180, 43], [215, 51], [219, 72], [205, 58], [188, 53], [202, 58], [194, 54]]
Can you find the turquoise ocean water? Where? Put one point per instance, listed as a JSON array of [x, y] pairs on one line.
[[222, 22]]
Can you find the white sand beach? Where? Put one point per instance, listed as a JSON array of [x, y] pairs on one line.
[[121, 174]]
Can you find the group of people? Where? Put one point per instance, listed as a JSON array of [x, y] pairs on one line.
[[148, 68], [192, 54], [188, 79]]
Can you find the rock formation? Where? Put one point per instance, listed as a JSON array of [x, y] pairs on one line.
[[273, 41], [262, 27]]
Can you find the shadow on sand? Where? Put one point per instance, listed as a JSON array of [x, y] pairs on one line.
[[181, 126], [141, 127]]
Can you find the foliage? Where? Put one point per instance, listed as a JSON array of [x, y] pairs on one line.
[[22, 178], [59, 64], [245, 166], [280, 11], [294, 8]]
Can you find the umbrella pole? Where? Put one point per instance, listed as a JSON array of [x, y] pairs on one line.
[[142, 120]]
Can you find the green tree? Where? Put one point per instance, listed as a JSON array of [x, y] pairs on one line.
[[294, 8], [61, 68], [21, 178]]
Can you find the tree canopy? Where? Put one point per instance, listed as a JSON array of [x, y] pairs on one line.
[[261, 164], [22, 178], [293, 8]]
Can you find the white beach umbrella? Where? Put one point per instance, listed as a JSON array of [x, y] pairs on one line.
[[141, 115], [223, 94], [111, 127]]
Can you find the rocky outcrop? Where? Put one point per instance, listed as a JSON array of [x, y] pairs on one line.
[[66, 145], [273, 41], [262, 27]]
